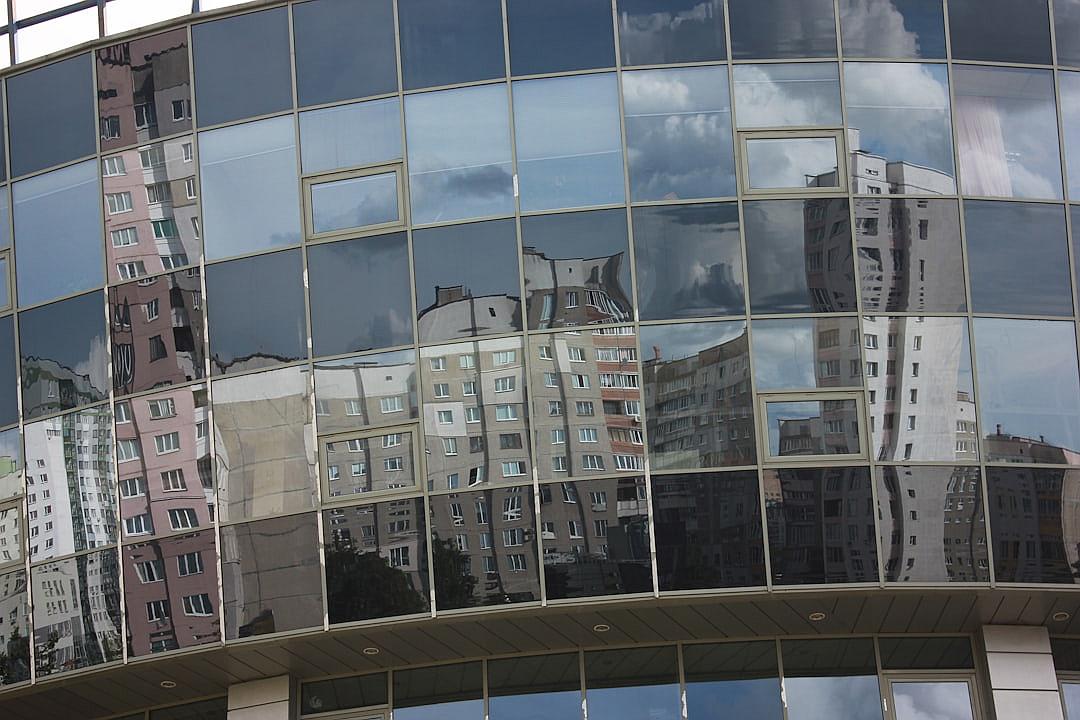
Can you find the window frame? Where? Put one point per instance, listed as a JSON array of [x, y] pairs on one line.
[[813, 460], [373, 437], [742, 158], [308, 181]]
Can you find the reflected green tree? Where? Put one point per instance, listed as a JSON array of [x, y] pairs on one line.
[[454, 580], [362, 585]]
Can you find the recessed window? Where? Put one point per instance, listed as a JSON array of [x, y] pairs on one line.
[[360, 201], [792, 161]]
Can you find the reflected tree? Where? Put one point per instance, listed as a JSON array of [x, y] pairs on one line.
[[362, 585], [454, 581]]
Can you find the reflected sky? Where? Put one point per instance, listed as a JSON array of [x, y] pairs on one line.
[[787, 95], [892, 28], [634, 702], [658, 32], [931, 701], [354, 203], [564, 705], [798, 162], [559, 36], [781, 28], [1067, 35], [460, 710], [737, 698], [786, 352], [1071, 692], [347, 136], [675, 342], [1069, 87], [814, 698]]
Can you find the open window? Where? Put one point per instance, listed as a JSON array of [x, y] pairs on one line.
[[354, 202], [804, 161], [374, 461], [813, 427]]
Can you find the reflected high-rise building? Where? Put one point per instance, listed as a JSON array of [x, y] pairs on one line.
[[563, 292]]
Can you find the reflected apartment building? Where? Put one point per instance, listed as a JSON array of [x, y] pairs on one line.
[[565, 292]]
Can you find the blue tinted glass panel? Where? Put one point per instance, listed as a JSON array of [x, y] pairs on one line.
[[658, 32], [346, 136], [559, 35], [445, 42], [355, 203], [763, 29], [1000, 30], [740, 677], [893, 28]]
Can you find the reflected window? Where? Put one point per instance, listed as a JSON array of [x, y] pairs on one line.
[[661, 32], [569, 145], [1067, 33], [792, 163], [811, 427], [14, 593], [343, 693], [678, 133], [741, 677], [345, 136], [806, 353], [559, 36], [443, 692], [369, 390], [51, 114], [787, 95], [1000, 30], [360, 463], [825, 678], [11, 466], [540, 686], [11, 534], [637, 684], [354, 202], [763, 29], [893, 29], [446, 42]]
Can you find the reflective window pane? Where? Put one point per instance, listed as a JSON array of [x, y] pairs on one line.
[[799, 256], [678, 133], [9, 403], [250, 191], [270, 575], [1000, 30], [56, 34], [1069, 87], [636, 684], [11, 465], [262, 426], [443, 692], [1067, 32], [12, 532], [546, 686], [360, 463], [926, 653], [1031, 523], [1007, 132], [256, 312], [215, 709], [559, 36], [941, 700], [827, 678], [781, 29], [376, 560], [359, 292], [358, 392], [13, 594], [568, 142], [698, 395], [932, 525], [64, 355], [659, 32], [446, 42], [343, 693], [459, 154], [358, 202], [58, 233], [787, 95], [346, 136], [123, 15], [457, 296], [893, 29], [741, 677], [51, 114], [1071, 694], [242, 66], [806, 353], [708, 532], [791, 163], [1018, 258], [344, 49], [901, 128], [1028, 390], [812, 427], [821, 527], [577, 269]]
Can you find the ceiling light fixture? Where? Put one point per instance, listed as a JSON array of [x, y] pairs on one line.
[[168, 684], [601, 627], [1061, 616], [370, 651], [816, 616]]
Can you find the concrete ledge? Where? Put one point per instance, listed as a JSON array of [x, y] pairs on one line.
[[1021, 671], [1016, 639]]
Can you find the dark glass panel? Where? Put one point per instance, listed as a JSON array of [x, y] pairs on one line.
[[531, 688], [1033, 524], [51, 119], [893, 28], [791, 163], [799, 255], [15, 651], [830, 678], [787, 95], [80, 627], [484, 548], [1018, 258], [367, 463], [1067, 31], [216, 709], [358, 392], [659, 32], [1066, 655], [270, 574], [910, 258], [1010, 31], [363, 201], [821, 526], [343, 693], [11, 464], [359, 292], [64, 355], [559, 36], [941, 699], [637, 684], [376, 560], [931, 524], [781, 29], [466, 280], [344, 49], [256, 312], [742, 678], [708, 531], [144, 89], [926, 653], [444, 692], [345, 136], [577, 269], [806, 353], [9, 402], [812, 427], [446, 42], [242, 66]]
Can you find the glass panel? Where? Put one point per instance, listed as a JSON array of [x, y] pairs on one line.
[[262, 425], [1030, 399], [344, 136], [926, 653], [144, 90], [678, 133], [821, 528], [358, 465], [791, 163], [355, 202], [343, 693], [931, 524], [376, 559], [14, 595], [58, 233], [559, 36], [901, 136], [806, 353], [1066, 656], [484, 548], [256, 312], [353, 393], [697, 395], [544, 686], [577, 269], [828, 678], [637, 684], [242, 66], [445, 692], [250, 191], [204, 709], [9, 401], [170, 590], [5, 236], [467, 280], [344, 49], [1067, 32], [596, 538], [910, 257], [569, 144], [659, 32], [812, 427], [55, 35], [446, 42], [893, 29], [64, 352], [1007, 132], [1000, 30], [1071, 694], [474, 413], [586, 394], [740, 677], [1069, 87], [270, 574], [782, 29], [787, 95], [63, 638], [359, 293], [459, 153], [124, 15], [29, 8], [689, 261], [12, 533], [11, 466], [708, 531], [938, 700]]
